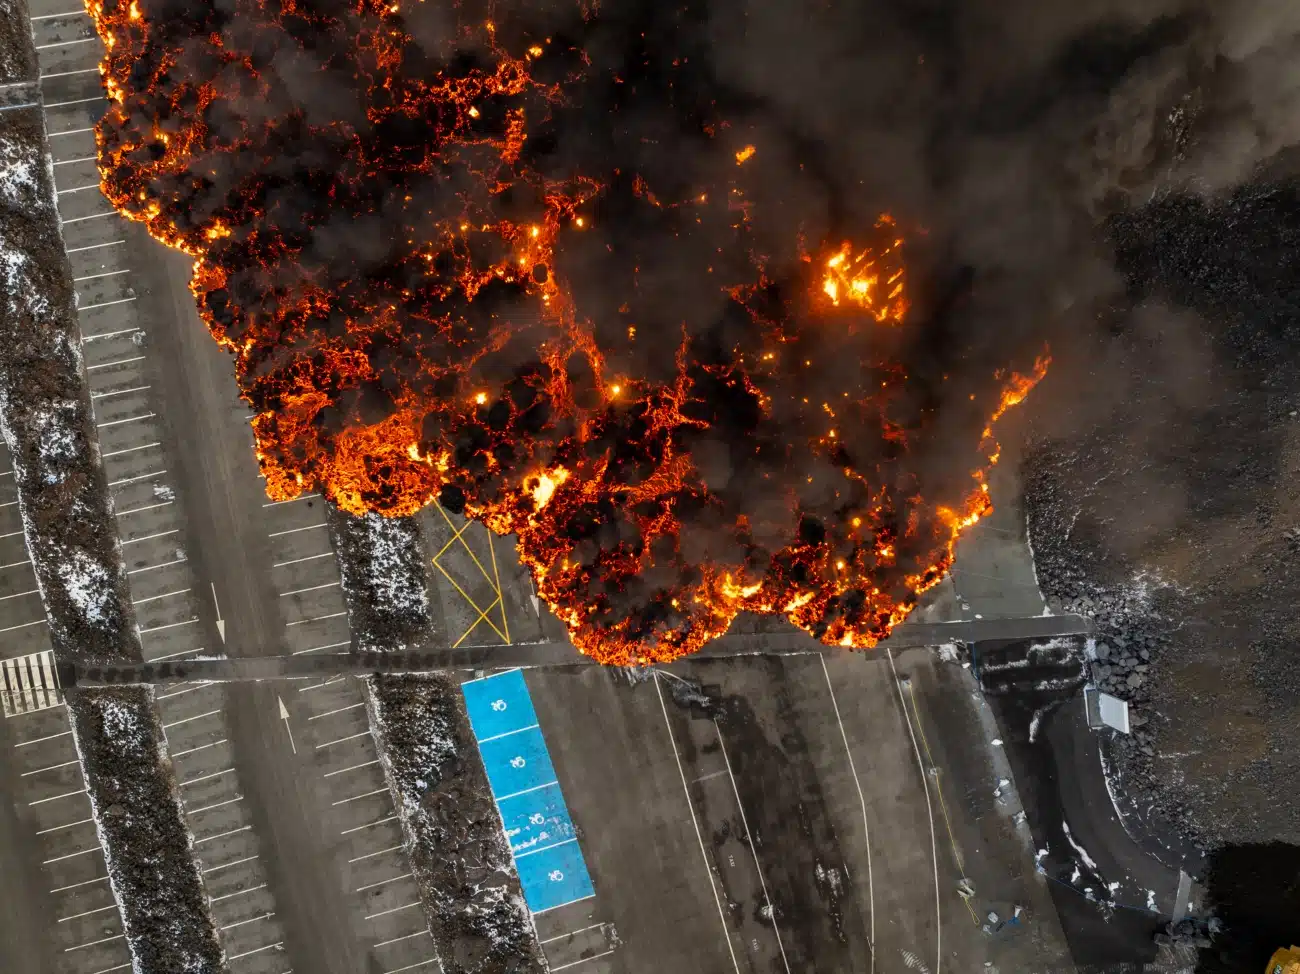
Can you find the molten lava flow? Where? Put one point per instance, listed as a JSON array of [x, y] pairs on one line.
[[441, 276]]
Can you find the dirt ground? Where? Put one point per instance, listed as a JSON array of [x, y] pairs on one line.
[[1162, 500]]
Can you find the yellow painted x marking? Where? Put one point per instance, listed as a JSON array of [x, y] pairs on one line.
[[493, 579]]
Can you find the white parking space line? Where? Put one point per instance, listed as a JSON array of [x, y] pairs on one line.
[[240, 923], [151, 568], [117, 392], [111, 243], [55, 135], [24, 625], [177, 693], [339, 710], [227, 865], [310, 527], [192, 750], [93, 943], [238, 892], [222, 835], [82, 189], [38, 740], [15, 564], [68, 13], [183, 652], [78, 40], [134, 449], [147, 507], [369, 825], [123, 422], [155, 598], [68, 74], [371, 855], [250, 953], [571, 933], [186, 720], [291, 500], [356, 798], [54, 798], [104, 304], [52, 767], [71, 855], [299, 561], [173, 625], [350, 737], [317, 686], [409, 936], [86, 339], [69, 162], [208, 808], [203, 777], [509, 733], [91, 277], [303, 622], [60, 828], [382, 882], [559, 906], [19, 595], [395, 909], [583, 960], [690, 806], [109, 365], [412, 967], [93, 216], [119, 967], [311, 588], [78, 916], [317, 649], [86, 882]]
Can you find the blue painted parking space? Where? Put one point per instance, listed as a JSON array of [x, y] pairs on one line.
[[536, 821]]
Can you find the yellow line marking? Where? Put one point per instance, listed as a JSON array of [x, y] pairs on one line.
[[473, 605], [943, 806], [497, 572], [464, 544]]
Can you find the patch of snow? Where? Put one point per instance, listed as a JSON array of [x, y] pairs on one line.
[[949, 652], [1034, 723], [20, 188], [89, 586], [1151, 901], [1083, 853]]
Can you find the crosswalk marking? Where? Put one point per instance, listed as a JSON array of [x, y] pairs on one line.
[[29, 683]]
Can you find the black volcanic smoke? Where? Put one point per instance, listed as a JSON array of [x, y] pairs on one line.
[[383, 195]]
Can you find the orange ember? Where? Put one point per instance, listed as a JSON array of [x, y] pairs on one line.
[[441, 278]]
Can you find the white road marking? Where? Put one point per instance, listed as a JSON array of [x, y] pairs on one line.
[[411, 967], [86, 882], [78, 916], [24, 625], [350, 737], [117, 392], [491, 675], [546, 848], [71, 855], [19, 595], [78, 40], [371, 855], [155, 598], [186, 720], [123, 422], [85, 339], [54, 798], [317, 686], [69, 162], [382, 882], [291, 500], [726, 932], [170, 625], [317, 649], [60, 828], [310, 527], [575, 963], [55, 135], [497, 737], [183, 652], [331, 713], [409, 936], [395, 909], [557, 906], [93, 277], [201, 747], [526, 791], [37, 740], [109, 365], [147, 507], [871, 883], [51, 767], [207, 808], [222, 835], [134, 449], [249, 953], [111, 243], [227, 865], [240, 923], [68, 74], [311, 588], [68, 13], [753, 846], [93, 216], [354, 798], [929, 808], [238, 892], [203, 777], [177, 693], [369, 825], [303, 622], [93, 943], [150, 568], [104, 304], [571, 933], [296, 561]]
